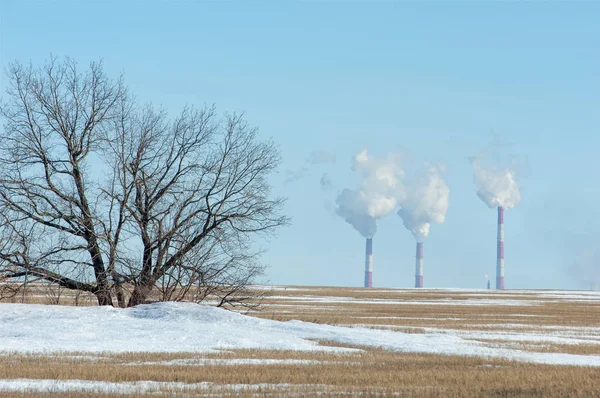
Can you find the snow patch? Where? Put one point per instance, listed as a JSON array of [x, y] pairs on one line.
[[135, 387], [241, 361], [186, 327]]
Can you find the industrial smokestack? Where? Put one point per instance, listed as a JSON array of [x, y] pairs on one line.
[[497, 187], [419, 265], [500, 251], [426, 201], [369, 263]]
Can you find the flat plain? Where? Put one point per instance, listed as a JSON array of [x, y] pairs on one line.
[[367, 342]]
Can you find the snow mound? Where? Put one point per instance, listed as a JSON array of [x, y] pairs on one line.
[[186, 327]]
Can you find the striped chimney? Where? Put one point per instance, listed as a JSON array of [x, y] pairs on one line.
[[419, 265], [500, 251], [369, 263]]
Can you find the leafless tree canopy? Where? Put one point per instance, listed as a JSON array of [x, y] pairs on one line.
[[100, 195]]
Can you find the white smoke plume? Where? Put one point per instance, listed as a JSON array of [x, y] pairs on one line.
[[378, 193], [427, 199], [294, 175], [315, 158], [496, 184]]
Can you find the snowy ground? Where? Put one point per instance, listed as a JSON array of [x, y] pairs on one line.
[[514, 325], [125, 388], [184, 327]]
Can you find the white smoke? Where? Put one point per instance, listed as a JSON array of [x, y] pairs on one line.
[[378, 193], [315, 158], [294, 175], [496, 185], [427, 199]]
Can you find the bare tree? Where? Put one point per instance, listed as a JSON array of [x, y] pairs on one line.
[[101, 196], [52, 118], [222, 273], [196, 190]]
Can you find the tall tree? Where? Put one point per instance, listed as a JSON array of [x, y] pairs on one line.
[[196, 191], [103, 196], [52, 118]]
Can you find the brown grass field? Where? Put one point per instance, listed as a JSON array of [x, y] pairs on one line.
[[363, 371]]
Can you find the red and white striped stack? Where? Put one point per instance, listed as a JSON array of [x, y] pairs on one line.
[[500, 251], [369, 263], [419, 265]]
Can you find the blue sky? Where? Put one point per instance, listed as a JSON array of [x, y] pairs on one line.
[[434, 79]]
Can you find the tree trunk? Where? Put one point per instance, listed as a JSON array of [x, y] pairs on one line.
[[140, 295], [102, 291], [103, 297], [146, 281], [120, 296]]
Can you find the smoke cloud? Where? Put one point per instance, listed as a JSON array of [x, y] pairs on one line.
[[294, 175], [378, 193], [496, 184], [427, 199], [315, 158]]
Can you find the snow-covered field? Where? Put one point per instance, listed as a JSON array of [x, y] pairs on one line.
[[185, 327]]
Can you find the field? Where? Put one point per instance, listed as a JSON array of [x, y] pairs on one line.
[[352, 341]]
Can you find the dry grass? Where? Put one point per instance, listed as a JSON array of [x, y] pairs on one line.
[[371, 371], [365, 371], [575, 349], [43, 293], [434, 308]]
